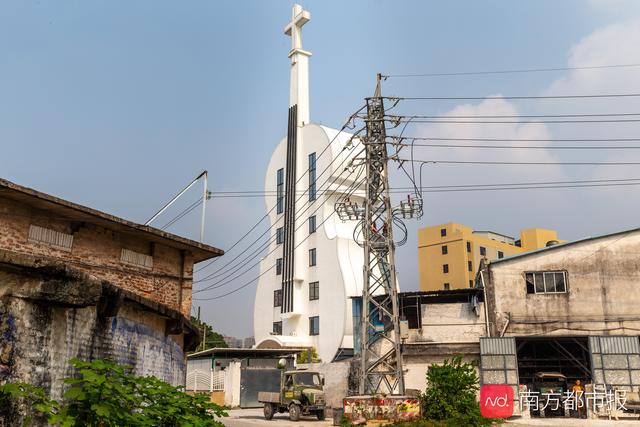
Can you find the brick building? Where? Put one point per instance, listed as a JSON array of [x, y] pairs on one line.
[[76, 282]]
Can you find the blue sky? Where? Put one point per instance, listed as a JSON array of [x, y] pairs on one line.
[[116, 105]]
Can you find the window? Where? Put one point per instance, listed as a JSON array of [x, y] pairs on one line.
[[280, 191], [279, 235], [312, 177], [470, 265], [468, 246], [277, 298], [483, 251], [278, 266], [312, 224], [312, 257], [314, 325], [447, 287], [443, 232], [277, 328], [445, 268], [314, 291], [546, 282], [500, 254], [445, 250], [471, 283]]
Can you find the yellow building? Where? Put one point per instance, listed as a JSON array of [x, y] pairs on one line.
[[449, 254]]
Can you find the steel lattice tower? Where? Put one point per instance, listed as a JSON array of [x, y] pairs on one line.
[[381, 358]]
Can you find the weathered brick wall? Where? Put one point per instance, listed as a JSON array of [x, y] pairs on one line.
[[47, 319], [96, 251]]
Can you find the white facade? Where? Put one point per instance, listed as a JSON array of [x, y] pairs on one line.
[[339, 260]]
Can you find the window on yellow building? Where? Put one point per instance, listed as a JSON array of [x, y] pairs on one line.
[[445, 268], [470, 265], [483, 251], [443, 232], [500, 254], [447, 287], [445, 250], [468, 246], [471, 283]]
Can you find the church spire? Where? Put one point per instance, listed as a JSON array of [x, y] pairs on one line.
[[299, 89]]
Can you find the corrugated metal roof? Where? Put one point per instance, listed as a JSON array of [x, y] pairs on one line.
[[505, 345], [615, 345], [245, 352]]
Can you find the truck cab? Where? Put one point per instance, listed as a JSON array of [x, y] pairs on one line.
[[301, 393]]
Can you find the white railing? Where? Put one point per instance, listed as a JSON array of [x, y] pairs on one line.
[[205, 380]]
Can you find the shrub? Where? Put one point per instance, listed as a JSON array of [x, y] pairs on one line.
[[450, 395], [106, 394]]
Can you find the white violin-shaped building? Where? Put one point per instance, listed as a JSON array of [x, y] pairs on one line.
[[313, 265]]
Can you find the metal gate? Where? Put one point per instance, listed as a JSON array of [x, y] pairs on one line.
[[616, 361], [253, 380], [499, 363]]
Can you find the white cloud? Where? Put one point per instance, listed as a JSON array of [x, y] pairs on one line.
[[575, 212]]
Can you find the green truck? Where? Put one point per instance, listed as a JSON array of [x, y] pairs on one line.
[[301, 393]]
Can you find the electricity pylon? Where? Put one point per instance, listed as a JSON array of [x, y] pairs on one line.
[[380, 341]]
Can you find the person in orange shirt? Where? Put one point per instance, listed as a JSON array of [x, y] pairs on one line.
[[578, 392]]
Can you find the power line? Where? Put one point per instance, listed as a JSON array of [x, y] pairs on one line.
[[479, 162], [273, 266], [518, 147], [182, 214], [219, 272], [472, 98], [503, 116], [516, 71], [473, 187], [405, 120], [516, 139], [218, 284]]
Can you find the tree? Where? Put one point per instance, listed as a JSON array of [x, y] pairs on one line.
[[450, 395], [310, 355], [105, 394], [210, 338]]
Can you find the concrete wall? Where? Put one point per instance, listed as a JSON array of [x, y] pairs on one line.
[[336, 376], [602, 295], [453, 322], [49, 316], [447, 330], [96, 251]]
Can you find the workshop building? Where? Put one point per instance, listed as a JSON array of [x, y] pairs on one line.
[[571, 308]]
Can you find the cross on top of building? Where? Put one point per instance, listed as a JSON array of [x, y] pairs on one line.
[[299, 17]]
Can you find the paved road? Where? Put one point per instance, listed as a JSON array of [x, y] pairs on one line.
[[254, 417]]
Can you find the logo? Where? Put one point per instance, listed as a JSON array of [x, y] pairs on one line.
[[496, 401]]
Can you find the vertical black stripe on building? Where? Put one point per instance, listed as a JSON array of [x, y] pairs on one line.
[[289, 213]]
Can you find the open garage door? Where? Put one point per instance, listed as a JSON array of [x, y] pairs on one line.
[[616, 361], [569, 356]]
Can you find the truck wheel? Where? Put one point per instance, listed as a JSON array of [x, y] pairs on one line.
[[294, 412], [268, 411], [320, 415]]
